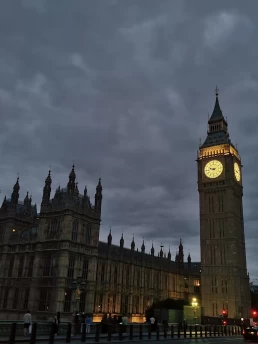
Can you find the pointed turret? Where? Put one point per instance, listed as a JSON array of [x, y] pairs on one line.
[[180, 255], [46, 193], [15, 195], [98, 196], [169, 254], [109, 237], [27, 205], [189, 261], [122, 241], [152, 250], [161, 253], [133, 244], [143, 247], [71, 184], [4, 206]]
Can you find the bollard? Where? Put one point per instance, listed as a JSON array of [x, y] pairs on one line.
[[195, 328], [226, 331], [52, 334], [131, 332], [205, 330], [232, 329], [68, 333], [190, 331], [222, 331], [172, 331], [12, 334], [165, 330], [178, 331], [215, 330], [201, 331], [120, 333], [210, 330], [140, 332], [157, 332], [97, 334], [184, 331], [109, 333], [218, 332], [33, 333], [149, 332], [83, 336]]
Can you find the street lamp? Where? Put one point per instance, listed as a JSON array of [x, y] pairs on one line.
[[78, 286], [194, 305]]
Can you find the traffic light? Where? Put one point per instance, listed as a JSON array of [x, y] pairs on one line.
[[254, 314], [224, 314]]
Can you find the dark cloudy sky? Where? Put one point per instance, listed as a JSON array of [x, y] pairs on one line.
[[123, 88]]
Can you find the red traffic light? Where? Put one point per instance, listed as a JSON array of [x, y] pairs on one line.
[[223, 312], [254, 313]]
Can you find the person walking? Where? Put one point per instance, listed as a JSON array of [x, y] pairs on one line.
[[57, 322], [27, 323], [88, 323]]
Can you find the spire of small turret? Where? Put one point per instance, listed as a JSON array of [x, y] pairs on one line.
[[71, 183], [169, 254], [15, 194], [133, 244], [46, 192], [4, 204], [152, 249], [161, 251], [98, 196], [143, 247], [122, 241], [189, 260], [109, 237]]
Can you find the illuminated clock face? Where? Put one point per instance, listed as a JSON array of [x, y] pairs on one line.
[[213, 169], [237, 172]]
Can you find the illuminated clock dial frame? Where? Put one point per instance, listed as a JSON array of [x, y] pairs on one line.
[[213, 169], [237, 172]]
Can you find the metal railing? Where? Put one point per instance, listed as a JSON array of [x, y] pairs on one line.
[[109, 332]]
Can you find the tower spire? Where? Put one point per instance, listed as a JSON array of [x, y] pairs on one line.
[[15, 194], [46, 192], [71, 184], [217, 126]]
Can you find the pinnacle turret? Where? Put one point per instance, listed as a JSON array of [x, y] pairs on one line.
[[109, 237], [122, 241], [71, 183], [143, 247], [98, 196], [133, 244], [15, 194]]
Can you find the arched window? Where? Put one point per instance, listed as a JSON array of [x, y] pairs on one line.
[[88, 234], [54, 227], [75, 230]]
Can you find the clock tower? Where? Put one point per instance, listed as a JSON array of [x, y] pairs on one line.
[[224, 278]]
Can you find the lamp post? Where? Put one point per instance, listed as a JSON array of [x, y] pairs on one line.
[[194, 305], [78, 286]]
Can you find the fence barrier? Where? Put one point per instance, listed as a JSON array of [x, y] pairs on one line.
[[116, 332]]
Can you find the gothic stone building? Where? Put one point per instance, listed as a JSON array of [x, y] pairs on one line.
[[224, 278], [53, 261]]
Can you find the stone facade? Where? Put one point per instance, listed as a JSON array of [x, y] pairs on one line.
[[53, 261], [224, 278]]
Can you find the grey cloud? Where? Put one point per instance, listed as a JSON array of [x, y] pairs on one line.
[[124, 90]]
